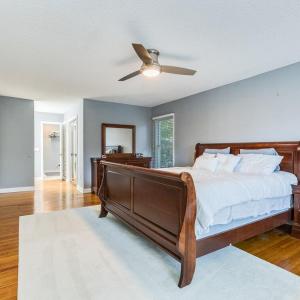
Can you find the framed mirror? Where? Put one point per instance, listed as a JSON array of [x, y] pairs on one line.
[[118, 139]]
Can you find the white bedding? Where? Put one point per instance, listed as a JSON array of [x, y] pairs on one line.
[[235, 192], [217, 229], [246, 211]]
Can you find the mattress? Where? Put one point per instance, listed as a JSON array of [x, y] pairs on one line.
[[217, 229], [239, 215], [225, 197]]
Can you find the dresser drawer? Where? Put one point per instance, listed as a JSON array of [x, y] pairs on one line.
[[137, 164]]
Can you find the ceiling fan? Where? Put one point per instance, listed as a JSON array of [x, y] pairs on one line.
[[151, 66]]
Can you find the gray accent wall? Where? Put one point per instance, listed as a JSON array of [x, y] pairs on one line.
[[97, 112], [16, 143], [263, 108]]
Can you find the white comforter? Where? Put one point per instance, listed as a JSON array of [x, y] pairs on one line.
[[216, 191]]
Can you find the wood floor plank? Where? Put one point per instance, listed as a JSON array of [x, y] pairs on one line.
[[276, 247]]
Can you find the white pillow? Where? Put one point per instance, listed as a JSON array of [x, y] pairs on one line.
[[258, 163], [215, 151], [227, 162], [206, 163], [208, 154]]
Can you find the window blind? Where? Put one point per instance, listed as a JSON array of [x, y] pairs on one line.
[[163, 141]]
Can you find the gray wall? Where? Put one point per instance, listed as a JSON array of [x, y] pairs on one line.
[[16, 143], [262, 108], [40, 117], [97, 112]]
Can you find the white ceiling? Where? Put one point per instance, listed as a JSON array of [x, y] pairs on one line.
[[59, 51]]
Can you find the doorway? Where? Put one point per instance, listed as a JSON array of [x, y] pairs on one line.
[[51, 156]]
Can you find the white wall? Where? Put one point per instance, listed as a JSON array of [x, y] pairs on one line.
[[40, 117]]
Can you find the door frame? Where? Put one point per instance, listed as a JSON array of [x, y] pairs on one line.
[[162, 117], [60, 150], [69, 150]]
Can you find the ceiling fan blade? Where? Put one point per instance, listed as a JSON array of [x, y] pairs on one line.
[[177, 70], [142, 53], [130, 75]]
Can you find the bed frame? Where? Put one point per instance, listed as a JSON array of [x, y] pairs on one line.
[[162, 205]]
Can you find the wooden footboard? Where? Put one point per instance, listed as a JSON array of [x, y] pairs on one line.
[[160, 205]]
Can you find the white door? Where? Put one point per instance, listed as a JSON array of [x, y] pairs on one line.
[[63, 151], [74, 147]]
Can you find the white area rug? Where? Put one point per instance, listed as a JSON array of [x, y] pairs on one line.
[[73, 254]]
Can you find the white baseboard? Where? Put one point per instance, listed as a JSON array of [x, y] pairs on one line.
[[17, 189], [52, 178], [83, 190]]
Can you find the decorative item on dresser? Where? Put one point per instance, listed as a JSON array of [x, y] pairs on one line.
[[162, 205], [296, 224], [97, 167]]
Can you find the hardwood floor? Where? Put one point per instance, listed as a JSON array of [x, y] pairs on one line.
[[49, 196], [275, 246]]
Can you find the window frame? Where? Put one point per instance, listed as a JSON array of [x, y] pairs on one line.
[[162, 117]]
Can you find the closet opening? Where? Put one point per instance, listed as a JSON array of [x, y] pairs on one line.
[[51, 150]]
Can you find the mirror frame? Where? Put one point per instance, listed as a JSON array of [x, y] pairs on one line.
[[103, 137]]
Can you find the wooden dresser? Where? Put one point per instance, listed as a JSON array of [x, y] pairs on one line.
[[96, 167]]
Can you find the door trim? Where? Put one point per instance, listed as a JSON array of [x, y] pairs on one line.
[[69, 150]]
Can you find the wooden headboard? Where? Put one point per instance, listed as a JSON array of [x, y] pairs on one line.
[[289, 150]]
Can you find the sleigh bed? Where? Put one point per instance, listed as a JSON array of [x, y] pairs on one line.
[[162, 206]]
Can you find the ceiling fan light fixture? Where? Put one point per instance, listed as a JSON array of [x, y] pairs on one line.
[[151, 67], [151, 71]]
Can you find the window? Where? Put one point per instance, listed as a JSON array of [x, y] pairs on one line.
[[163, 141]]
